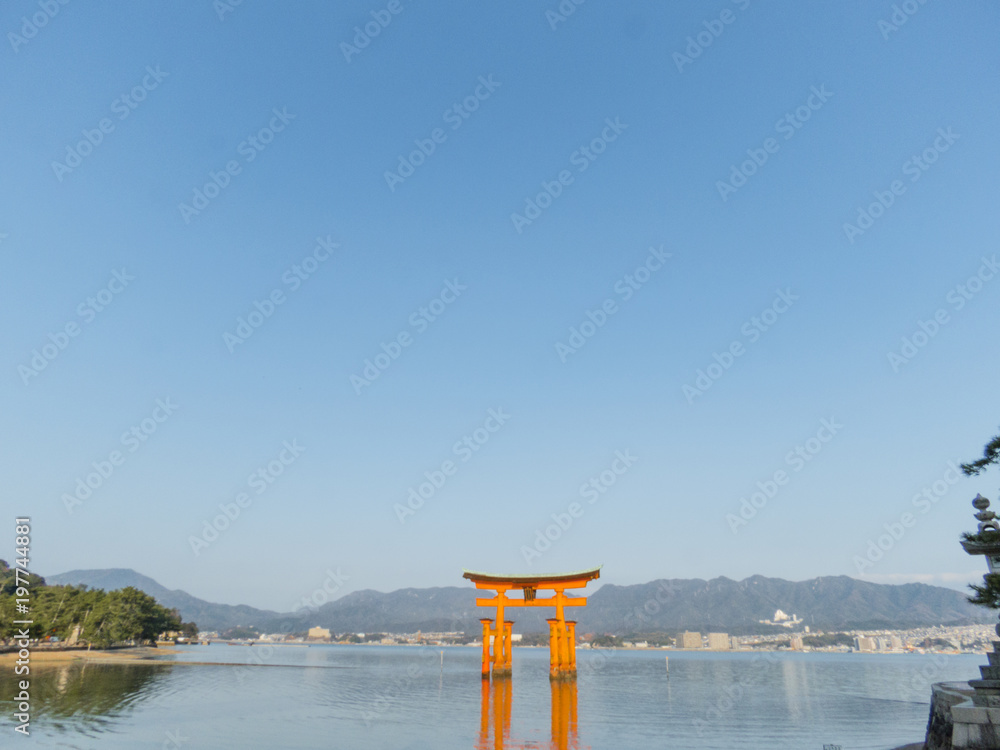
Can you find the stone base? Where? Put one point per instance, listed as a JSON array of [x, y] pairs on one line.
[[501, 672], [975, 726], [940, 724], [959, 721], [564, 675]]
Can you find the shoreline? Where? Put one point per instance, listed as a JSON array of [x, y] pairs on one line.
[[43, 657]]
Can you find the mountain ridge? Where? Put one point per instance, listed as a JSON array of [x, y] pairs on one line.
[[207, 615], [661, 605]]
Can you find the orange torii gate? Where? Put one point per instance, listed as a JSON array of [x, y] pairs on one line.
[[562, 632]]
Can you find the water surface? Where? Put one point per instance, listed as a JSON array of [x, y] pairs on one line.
[[408, 698]]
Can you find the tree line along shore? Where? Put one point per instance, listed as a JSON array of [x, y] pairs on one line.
[[76, 615]]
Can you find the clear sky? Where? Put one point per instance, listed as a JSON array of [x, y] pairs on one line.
[[657, 247]]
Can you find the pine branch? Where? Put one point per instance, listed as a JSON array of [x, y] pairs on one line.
[[991, 455]]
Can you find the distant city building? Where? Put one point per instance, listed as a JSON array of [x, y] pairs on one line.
[[796, 643], [864, 643], [780, 618], [318, 634], [896, 643], [688, 639], [718, 641]]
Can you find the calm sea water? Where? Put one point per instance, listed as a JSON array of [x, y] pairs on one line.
[[400, 698]]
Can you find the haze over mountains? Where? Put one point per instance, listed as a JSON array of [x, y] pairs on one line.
[[665, 605]]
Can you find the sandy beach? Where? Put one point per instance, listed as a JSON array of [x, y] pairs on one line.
[[44, 657]]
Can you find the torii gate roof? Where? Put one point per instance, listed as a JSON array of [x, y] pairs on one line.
[[532, 580]]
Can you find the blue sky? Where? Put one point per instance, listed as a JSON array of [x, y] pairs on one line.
[[671, 104]]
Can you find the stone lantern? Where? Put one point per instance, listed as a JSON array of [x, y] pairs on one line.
[[976, 720]]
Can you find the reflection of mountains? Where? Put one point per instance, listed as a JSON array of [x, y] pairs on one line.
[[87, 693]]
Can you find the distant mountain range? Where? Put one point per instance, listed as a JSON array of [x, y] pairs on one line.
[[666, 605], [207, 615]]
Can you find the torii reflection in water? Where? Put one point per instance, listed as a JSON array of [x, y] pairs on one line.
[[495, 710]]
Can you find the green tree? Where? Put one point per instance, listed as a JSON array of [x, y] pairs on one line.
[[135, 616], [991, 455], [122, 616], [987, 595], [8, 579]]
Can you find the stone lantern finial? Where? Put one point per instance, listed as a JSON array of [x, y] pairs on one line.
[[987, 518]]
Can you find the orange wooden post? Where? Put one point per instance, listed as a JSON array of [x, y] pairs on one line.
[[486, 647], [508, 637], [571, 639], [501, 667], [554, 648], [564, 648]]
